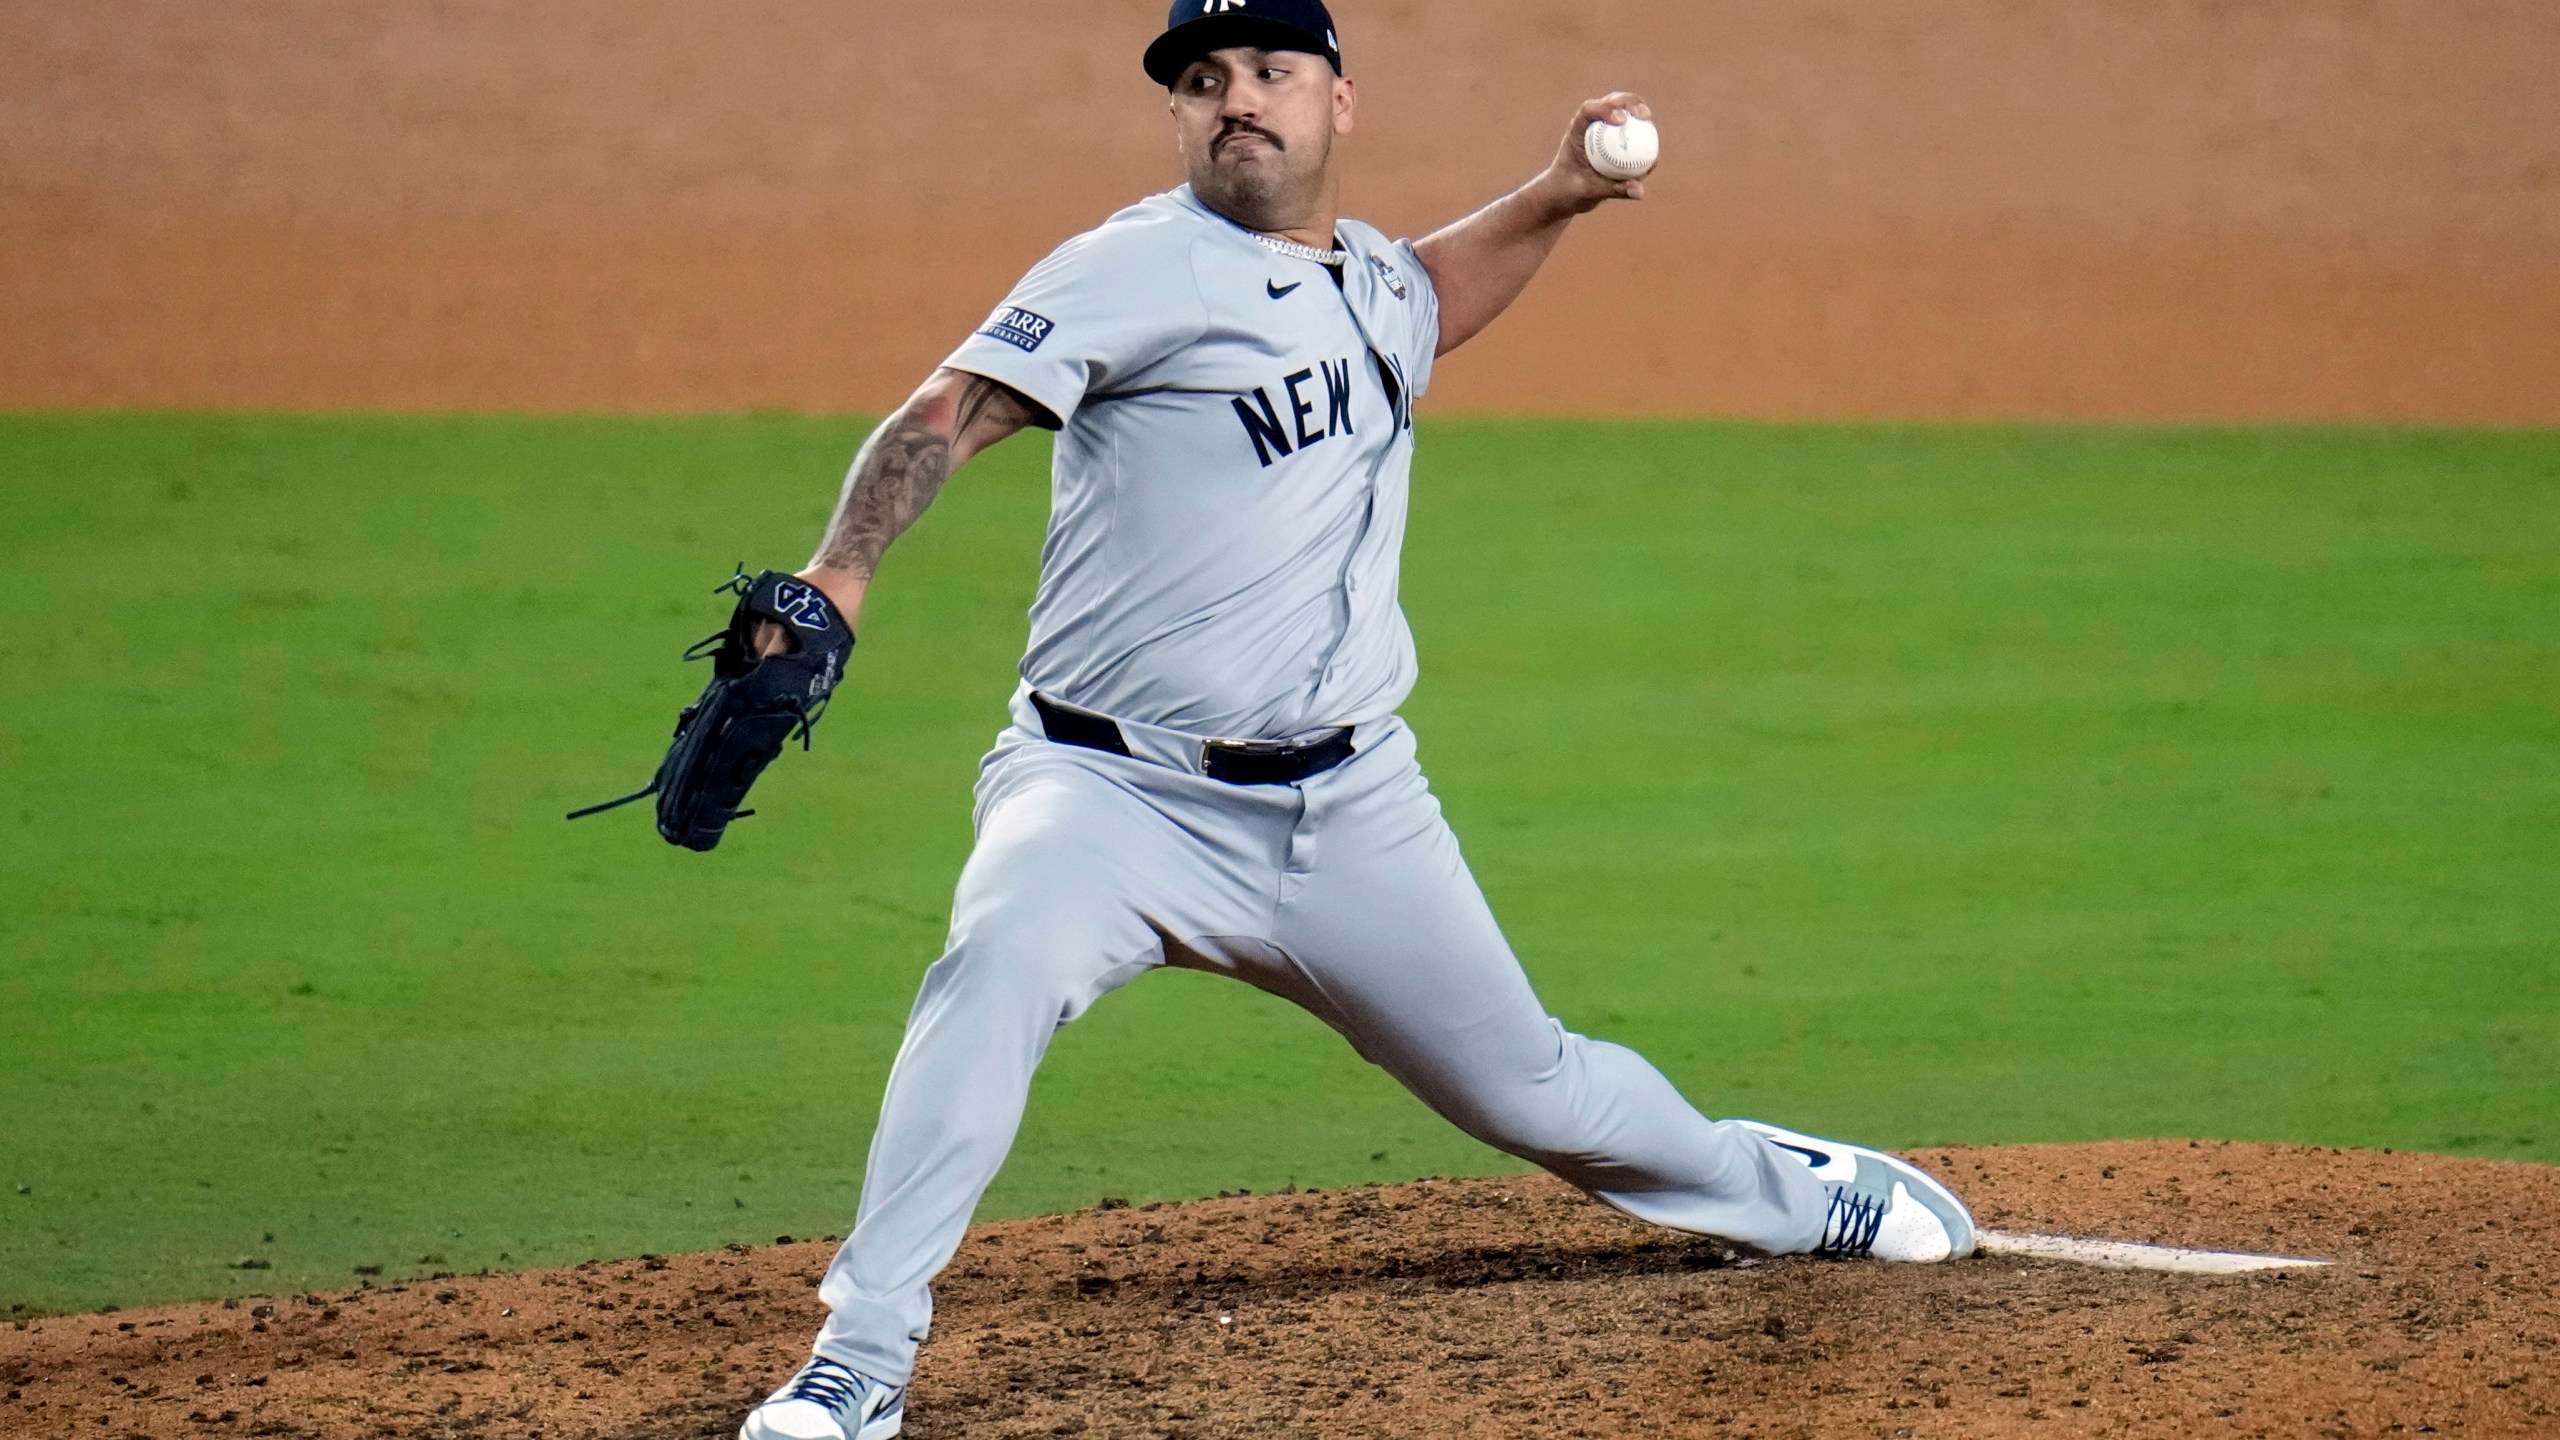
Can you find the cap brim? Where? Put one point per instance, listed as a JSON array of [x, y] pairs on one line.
[[1176, 48]]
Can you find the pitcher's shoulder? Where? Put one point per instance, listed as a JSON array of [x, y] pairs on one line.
[[1363, 237], [1392, 263], [1141, 241]]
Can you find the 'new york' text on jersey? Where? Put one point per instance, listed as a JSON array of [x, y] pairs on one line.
[[1228, 494]]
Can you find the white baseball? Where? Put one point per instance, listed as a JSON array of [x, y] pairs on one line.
[[1622, 152]]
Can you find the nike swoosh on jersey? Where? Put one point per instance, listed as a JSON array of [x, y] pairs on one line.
[[1277, 290]]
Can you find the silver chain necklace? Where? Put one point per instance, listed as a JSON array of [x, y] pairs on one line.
[[1296, 251]]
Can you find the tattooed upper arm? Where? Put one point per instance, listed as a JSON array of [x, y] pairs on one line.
[[996, 405], [951, 417]]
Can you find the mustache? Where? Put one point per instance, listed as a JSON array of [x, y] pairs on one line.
[[1230, 129]]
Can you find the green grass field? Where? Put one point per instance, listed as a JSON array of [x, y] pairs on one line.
[[1912, 784]]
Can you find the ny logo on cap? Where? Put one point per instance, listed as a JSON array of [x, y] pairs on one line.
[[1221, 7]]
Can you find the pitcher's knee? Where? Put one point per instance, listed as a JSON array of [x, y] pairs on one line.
[[1536, 1120], [1555, 1107], [975, 1129]]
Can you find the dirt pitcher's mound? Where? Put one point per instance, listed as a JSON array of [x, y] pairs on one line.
[[1479, 1307]]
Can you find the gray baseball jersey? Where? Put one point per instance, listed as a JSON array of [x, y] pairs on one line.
[[1230, 478]]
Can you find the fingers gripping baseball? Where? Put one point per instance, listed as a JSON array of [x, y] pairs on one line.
[[1623, 147]]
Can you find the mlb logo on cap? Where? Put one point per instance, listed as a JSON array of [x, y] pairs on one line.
[[1196, 27]]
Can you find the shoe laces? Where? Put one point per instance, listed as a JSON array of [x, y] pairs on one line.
[[828, 1383], [1849, 1227]]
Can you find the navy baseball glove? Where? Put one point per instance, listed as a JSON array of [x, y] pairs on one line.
[[751, 708]]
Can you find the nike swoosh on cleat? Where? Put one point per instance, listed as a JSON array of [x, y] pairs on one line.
[[1814, 1158], [1278, 290]]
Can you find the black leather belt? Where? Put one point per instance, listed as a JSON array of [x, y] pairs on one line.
[[1234, 762]]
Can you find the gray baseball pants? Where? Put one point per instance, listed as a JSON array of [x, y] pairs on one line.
[[1345, 895]]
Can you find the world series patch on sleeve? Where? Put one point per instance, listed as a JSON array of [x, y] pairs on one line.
[[751, 708]]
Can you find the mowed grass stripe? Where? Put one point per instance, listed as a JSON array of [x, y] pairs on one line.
[[1916, 784]]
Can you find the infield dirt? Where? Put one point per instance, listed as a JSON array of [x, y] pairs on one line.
[[1443, 1308], [2155, 209]]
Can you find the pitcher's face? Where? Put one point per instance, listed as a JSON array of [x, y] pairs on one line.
[[1256, 130]]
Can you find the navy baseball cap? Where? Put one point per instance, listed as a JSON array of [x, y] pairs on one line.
[[1196, 27]]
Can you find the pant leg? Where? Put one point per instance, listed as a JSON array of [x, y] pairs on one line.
[[1383, 933], [1077, 870]]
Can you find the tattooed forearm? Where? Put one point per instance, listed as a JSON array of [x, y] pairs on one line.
[[903, 464], [900, 470]]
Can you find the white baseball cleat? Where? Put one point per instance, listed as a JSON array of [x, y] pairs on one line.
[[827, 1401], [1882, 1208]]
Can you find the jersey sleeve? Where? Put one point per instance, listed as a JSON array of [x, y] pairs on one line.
[[1103, 306], [1425, 312]]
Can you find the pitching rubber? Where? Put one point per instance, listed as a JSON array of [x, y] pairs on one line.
[[2125, 1255]]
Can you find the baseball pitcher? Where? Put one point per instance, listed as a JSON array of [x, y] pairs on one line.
[[1205, 766]]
